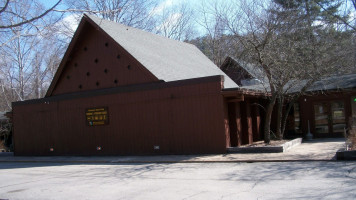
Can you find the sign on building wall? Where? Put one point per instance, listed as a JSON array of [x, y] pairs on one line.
[[97, 116]]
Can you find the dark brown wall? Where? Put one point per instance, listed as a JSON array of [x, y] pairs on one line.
[[227, 124], [256, 121], [182, 119], [244, 122], [96, 62], [233, 111]]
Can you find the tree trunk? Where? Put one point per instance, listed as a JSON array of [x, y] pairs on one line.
[[285, 116], [267, 127]]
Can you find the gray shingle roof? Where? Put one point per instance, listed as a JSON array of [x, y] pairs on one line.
[[337, 82], [167, 59], [255, 71], [252, 69]]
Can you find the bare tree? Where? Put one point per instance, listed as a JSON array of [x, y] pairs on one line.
[[216, 41], [23, 51], [135, 13], [287, 45], [175, 22]]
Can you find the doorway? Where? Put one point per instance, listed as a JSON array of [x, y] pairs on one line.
[[329, 118]]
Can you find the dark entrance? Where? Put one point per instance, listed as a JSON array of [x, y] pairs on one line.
[[329, 118]]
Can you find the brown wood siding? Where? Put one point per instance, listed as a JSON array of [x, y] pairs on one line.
[[247, 135], [185, 119], [97, 61], [227, 124], [235, 124], [256, 122], [232, 124]]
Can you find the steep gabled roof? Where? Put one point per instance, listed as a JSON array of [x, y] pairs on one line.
[[167, 59], [252, 70]]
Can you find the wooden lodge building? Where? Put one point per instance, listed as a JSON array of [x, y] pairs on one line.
[[123, 91], [329, 105]]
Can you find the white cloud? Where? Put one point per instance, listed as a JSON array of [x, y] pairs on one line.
[[72, 21], [170, 21], [165, 4], [67, 26]]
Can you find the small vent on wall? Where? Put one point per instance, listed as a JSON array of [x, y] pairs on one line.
[[68, 77], [106, 71], [88, 73], [85, 49], [118, 56], [128, 66], [106, 44], [115, 81], [97, 83], [80, 86], [96, 60]]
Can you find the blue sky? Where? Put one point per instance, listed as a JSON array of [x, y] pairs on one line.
[[50, 3], [195, 4]]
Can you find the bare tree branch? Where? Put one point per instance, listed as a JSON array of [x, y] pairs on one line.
[[29, 20], [5, 6]]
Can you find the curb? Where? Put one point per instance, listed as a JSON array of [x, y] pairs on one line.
[[267, 149], [346, 155]]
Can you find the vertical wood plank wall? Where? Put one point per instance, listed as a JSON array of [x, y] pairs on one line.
[[185, 119], [244, 122], [256, 121], [233, 124]]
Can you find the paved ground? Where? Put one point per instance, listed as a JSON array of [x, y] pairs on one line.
[[315, 150], [266, 180], [227, 176]]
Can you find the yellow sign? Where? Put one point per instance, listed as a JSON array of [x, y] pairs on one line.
[[97, 116]]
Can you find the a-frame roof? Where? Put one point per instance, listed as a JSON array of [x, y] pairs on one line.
[[167, 59], [252, 70]]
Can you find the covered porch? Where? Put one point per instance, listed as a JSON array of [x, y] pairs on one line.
[[244, 116]]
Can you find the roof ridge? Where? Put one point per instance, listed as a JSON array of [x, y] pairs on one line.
[[137, 29]]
